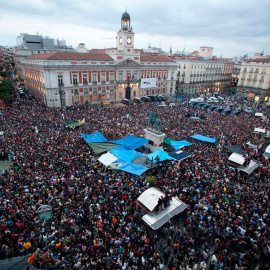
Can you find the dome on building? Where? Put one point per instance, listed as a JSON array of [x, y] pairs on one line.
[[125, 16]]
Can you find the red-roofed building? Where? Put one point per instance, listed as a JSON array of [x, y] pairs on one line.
[[108, 75]]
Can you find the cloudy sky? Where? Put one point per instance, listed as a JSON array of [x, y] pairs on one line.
[[232, 27]]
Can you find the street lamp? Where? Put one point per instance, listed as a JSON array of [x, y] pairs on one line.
[[152, 160], [61, 92]]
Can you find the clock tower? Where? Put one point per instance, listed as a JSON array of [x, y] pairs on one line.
[[125, 36]]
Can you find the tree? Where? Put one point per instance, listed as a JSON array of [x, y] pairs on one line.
[[3, 74], [5, 90]]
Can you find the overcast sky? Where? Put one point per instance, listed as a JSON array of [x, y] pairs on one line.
[[232, 27]]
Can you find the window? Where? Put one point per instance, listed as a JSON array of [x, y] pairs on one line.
[[159, 75], [141, 75], [111, 78], [94, 78], [103, 79], [148, 75], [103, 89], [154, 74], [120, 77], [60, 80], [85, 81], [165, 75], [85, 90], [95, 90], [95, 98], [141, 92], [158, 91], [111, 96], [134, 93], [76, 99], [75, 79], [85, 98], [76, 92], [147, 92], [164, 90], [111, 88], [103, 97]]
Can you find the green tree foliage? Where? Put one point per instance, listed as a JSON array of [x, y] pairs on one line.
[[3, 74], [5, 90]]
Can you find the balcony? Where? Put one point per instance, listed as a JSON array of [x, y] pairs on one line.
[[172, 78], [85, 82], [111, 81], [94, 82], [165, 78], [60, 84], [75, 83], [256, 72], [191, 75], [159, 78], [103, 81]]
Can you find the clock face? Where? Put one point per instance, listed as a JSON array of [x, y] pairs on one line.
[[128, 40], [120, 40]]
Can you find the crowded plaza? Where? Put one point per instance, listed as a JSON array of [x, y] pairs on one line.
[[95, 221]]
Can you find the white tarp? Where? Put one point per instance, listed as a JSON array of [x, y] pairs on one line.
[[156, 219], [259, 130], [267, 151], [149, 198], [149, 82], [258, 114], [252, 145], [250, 167], [236, 158], [107, 159]]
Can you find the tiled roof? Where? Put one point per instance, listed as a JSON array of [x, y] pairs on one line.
[[260, 60], [155, 58], [70, 56]]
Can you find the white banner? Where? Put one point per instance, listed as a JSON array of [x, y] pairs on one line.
[[148, 83]]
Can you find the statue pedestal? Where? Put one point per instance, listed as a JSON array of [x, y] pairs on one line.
[[156, 136]]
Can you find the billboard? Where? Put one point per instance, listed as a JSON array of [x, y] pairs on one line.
[[148, 83]]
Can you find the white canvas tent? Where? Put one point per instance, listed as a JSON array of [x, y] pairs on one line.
[[267, 151], [250, 167], [107, 159], [157, 219], [236, 158], [258, 114]]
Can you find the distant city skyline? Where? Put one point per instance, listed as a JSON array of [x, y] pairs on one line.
[[233, 28]]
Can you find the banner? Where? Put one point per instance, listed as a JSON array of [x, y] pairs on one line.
[[148, 83]]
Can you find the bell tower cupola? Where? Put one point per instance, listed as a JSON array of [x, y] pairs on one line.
[[125, 22]]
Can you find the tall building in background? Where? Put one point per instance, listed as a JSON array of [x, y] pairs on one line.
[[28, 45], [63, 78]]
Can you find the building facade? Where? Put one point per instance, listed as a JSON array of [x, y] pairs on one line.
[[68, 78], [254, 78], [197, 76]]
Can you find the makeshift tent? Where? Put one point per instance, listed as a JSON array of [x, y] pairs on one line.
[[236, 158], [179, 155], [179, 144], [136, 169], [157, 219], [102, 147], [125, 154], [73, 124], [235, 149], [144, 161], [148, 200], [258, 114], [131, 142], [250, 167], [94, 137], [161, 154], [252, 145], [267, 151], [259, 130], [167, 141], [203, 138], [107, 159]]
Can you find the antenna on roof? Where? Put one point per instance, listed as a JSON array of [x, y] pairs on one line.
[[184, 46]]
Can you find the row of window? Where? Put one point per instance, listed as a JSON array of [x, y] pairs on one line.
[[201, 66]]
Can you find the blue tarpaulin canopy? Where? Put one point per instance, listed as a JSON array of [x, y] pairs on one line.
[[127, 155], [161, 154], [94, 137], [131, 142], [179, 144], [203, 138], [179, 154], [133, 168]]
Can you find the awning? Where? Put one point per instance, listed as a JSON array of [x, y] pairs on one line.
[[161, 155], [136, 169], [179, 155], [203, 138], [250, 167], [131, 142], [94, 137], [235, 149], [124, 154], [252, 145], [144, 161], [167, 141], [259, 130], [179, 144], [107, 159], [102, 147], [258, 114], [236, 158], [157, 219]]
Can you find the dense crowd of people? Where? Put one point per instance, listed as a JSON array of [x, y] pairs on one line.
[[96, 223]]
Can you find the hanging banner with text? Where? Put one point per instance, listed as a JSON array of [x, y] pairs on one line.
[[148, 83]]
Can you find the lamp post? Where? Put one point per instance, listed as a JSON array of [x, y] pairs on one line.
[[61, 92], [152, 160]]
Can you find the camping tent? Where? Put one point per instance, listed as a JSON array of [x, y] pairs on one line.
[[131, 142], [125, 154], [161, 154], [101, 147], [107, 159], [179, 155], [235, 149], [94, 137], [179, 144], [136, 169], [203, 138]]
